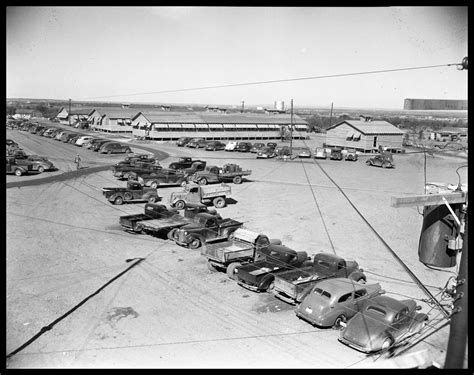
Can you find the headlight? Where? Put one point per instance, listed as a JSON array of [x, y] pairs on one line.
[[185, 233]]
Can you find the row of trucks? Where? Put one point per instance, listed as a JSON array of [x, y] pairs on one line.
[[255, 261]]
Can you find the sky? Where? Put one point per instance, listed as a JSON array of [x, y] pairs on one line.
[[128, 54]]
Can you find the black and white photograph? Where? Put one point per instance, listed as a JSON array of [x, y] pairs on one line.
[[236, 187]]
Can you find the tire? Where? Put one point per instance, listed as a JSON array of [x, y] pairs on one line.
[[40, 169], [18, 172], [171, 234], [340, 319], [268, 283], [230, 271], [387, 343], [180, 205], [154, 184], [237, 180], [384, 165], [138, 228], [118, 200], [202, 181], [195, 243], [127, 196], [152, 199], [219, 202]]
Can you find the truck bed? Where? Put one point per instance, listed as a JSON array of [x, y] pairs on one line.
[[228, 250], [157, 224], [128, 220]]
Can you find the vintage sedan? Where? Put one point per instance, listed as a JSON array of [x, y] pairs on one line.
[[266, 153], [257, 147], [303, 153], [382, 323], [181, 142], [42, 163], [384, 160], [336, 154], [332, 302], [201, 144], [243, 147], [114, 148], [160, 178], [320, 153], [215, 146], [351, 155]]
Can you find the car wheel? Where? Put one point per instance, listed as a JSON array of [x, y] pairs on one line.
[[40, 169], [152, 199], [138, 228], [384, 165], [219, 202], [340, 319], [18, 172], [171, 234], [237, 180], [194, 244], [268, 283], [154, 184], [232, 270], [202, 181], [180, 205], [118, 201], [387, 343], [127, 196]]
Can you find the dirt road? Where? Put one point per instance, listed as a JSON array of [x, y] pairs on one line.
[[169, 311]]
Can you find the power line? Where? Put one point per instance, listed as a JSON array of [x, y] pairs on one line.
[[275, 81]]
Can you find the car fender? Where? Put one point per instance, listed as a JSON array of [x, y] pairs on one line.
[[357, 275]]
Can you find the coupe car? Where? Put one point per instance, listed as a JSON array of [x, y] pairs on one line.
[[384, 160], [332, 302], [266, 153], [382, 323]]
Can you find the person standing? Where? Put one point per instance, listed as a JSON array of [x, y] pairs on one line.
[[77, 160]]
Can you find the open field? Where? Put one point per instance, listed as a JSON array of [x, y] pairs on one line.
[[64, 243]]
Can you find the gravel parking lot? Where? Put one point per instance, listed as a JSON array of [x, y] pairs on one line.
[[64, 243]]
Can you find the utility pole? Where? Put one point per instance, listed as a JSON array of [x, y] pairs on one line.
[[330, 116], [291, 130], [242, 110], [69, 113]]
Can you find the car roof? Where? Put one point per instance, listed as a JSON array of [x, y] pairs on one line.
[[338, 286]]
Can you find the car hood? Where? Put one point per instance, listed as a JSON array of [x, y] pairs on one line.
[[364, 331]]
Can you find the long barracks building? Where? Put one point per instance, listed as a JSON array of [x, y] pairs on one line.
[[167, 125]]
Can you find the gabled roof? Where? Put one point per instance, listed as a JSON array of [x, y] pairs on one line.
[[115, 112], [81, 111], [370, 127]]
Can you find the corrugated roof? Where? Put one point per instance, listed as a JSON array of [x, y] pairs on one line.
[[81, 111], [370, 127], [114, 112]]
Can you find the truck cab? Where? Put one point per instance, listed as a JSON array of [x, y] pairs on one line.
[[13, 167]]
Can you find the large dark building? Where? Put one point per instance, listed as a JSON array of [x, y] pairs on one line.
[[435, 104]]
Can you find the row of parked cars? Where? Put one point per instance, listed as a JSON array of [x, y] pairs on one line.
[[101, 145], [326, 290]]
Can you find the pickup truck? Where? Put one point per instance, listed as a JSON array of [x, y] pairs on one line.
[[213, 173], [242, 247], [194, 193], [204, 229], [160, 220], [184, 162], [293, 285], [13, 167], [133, 192], [160, 177], [259, 276], [124, 171]]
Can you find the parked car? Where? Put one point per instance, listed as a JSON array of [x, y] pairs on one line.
[[88, 144], [14, 167], [215, 146], [383, 322], [133, 192], [83, 139], [114, 148], [42, 163], [332, 302], [97, 145], [272, 144], [266, 153], [230, 146], [183, 162], [384, 160], [243, 147], [320, 153], [303, 153], [257, 147], [283, 151], [351, 155], [11, 142], [336, 154], [201, 144], [160, 177], [194, 142], [58, 135], [213, 173], [73, 140], [181, 142]]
